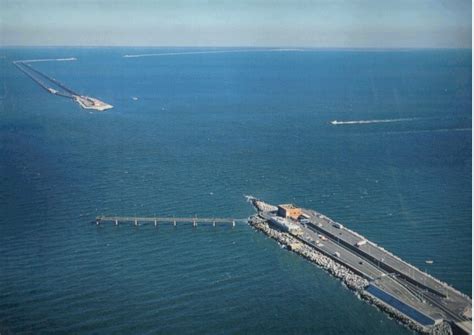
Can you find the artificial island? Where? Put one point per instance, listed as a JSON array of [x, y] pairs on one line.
[[410, 295], [398, 288], [55, 87]]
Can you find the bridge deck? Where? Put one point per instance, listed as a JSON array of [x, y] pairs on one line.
[[53, 80], [29, 70], [156, 220]]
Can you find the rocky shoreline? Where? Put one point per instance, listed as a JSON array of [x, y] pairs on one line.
[[351, 280]]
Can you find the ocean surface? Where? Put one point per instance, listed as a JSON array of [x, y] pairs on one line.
[[205, 130]]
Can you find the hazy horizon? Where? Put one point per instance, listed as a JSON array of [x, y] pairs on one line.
[[340, 24], [293, 48]]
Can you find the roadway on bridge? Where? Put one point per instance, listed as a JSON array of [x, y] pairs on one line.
[[451, 309]]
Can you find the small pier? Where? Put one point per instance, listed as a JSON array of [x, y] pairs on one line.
[[155, 220]]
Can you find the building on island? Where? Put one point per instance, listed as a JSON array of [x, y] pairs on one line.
[[289, 211]]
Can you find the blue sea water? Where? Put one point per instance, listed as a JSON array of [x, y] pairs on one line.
[[207, 129]]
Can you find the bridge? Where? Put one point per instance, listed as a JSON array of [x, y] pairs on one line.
[[53, 80], [46, 82], [28, 70], [136, 220]]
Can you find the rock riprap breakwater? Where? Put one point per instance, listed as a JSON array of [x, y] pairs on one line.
[[305, 235]]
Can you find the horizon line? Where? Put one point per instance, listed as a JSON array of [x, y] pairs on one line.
[[238, 46]]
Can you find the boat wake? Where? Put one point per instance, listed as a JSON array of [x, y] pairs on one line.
[[442, 130], [336, 122]]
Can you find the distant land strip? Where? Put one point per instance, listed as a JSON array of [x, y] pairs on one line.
[[210, 52]]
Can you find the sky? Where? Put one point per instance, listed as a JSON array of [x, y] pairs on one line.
[[258, 23]]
